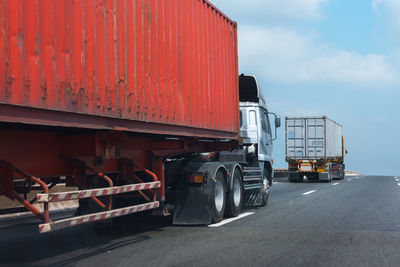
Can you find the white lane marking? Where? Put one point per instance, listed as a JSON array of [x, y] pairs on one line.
[[397, 180], [231, 219], [398, 184], [396, 177], [349, 180], [357, 177], [309, 192], [335, 183]]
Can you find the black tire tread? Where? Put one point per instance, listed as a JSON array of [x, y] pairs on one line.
[[231, 210]]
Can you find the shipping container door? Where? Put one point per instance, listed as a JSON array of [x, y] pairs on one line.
[[295, 138], [315, 138]]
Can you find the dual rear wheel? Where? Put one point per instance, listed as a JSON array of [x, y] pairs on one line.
[[227, 201]]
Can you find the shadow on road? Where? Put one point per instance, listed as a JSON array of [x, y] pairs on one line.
[[306, 181], [24, 245]]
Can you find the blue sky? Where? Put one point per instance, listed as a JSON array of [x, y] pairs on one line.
[[328, 57]]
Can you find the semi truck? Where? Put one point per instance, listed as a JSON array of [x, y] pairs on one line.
[[137, 105], [314, 149]]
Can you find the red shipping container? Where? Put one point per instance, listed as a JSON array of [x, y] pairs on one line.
[[152, 66]]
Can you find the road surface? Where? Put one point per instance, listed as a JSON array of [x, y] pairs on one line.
[[352, 222]]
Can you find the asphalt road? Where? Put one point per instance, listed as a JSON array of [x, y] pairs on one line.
[[352, 222]]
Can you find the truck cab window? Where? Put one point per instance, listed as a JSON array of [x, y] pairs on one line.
[[252, 117], [264, 123], [268, 125]]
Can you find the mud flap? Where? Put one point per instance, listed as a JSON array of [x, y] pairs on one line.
[[193, 203], [324, 176], [253, 198], [192, 206], [294, 176]]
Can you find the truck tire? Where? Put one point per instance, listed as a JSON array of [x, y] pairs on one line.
[[265, 193], [330, 177], [330, 173], [218, 193], [264, 200], [235, 196], [342, 174], [268, 175], [293, 177]]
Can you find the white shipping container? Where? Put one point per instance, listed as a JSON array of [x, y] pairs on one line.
[[313, 138]]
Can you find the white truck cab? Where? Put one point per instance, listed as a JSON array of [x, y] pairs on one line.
[[228, 179], [255, 127]]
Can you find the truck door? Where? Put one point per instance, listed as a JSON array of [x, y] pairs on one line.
[[296, 138], [265, 138], [248, 125]]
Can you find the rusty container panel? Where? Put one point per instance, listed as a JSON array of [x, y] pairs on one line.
[[167, 67]]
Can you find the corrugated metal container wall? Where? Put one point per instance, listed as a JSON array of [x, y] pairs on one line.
[[313, 138], [171, 62], [334, 139]]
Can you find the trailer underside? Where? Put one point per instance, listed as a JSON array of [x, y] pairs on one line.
[[318, 170], [108, 168]]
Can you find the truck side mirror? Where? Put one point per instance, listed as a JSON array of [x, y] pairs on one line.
[[277, 121]]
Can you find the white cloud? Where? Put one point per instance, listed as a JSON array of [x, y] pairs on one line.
[[392, 5], [272, 10], [389, 10], [284, 55]]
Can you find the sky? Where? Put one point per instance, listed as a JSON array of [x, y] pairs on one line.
[[337, 58]]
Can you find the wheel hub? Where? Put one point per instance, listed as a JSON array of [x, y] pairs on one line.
[[219, 196], [236, 192]]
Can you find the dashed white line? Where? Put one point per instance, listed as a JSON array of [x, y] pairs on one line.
[[231, 219], [397, 180], [357, 177], [335, 183], [396, 177], [349, 180], [309, 192], [398, 184]]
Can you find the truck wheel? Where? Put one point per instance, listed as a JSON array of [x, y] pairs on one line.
[[264, 200], [268, 175], [235, 196], [265, 192], [218, 191]]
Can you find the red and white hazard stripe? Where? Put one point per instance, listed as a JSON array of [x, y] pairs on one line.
[[57, 225], [54, 197]]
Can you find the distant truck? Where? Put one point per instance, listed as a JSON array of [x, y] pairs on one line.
[[314, 149]]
